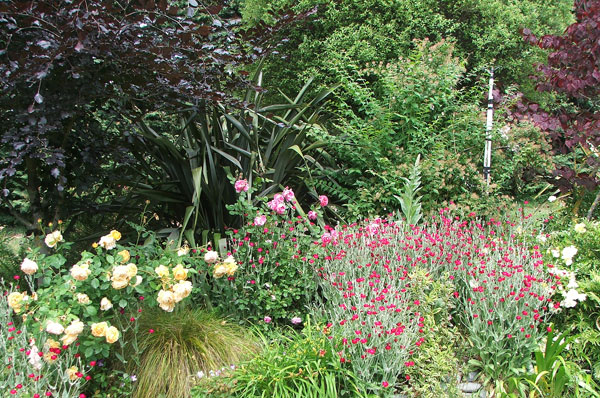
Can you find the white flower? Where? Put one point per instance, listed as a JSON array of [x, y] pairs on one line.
[[211, 257], [572, 283], [29, 267], [551, 198], [183, 251], [53, 238], [54, 328], [105, 304], [572, 297], [34, 359], [542, 238], [568, 253], [580, 228], [108, 242]]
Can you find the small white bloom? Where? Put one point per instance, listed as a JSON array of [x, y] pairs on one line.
[[580, 228], [542, 238], [54, 328], [555, 253], [551, 198], [53, 238], [105, 304], [211, 257], [29, 267], [108, 242], [200, 374], [183, 251], [568, 253]]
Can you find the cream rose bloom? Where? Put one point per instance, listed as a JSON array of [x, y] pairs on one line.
[[81, 272], [182, 251], [83, 298], [181, 290], [72, 373], [75, 328], [68, 339], [230, 265], [120, 277], [166, 300], [54, 328], [112, 335], [179, 272], [29, 267], [162, 271], [138, 280], [107, 242], [580, 228], [105, 304], [220, 270], [99, 329], [211, 257], [53, 238], [125, 255], [131, 270]]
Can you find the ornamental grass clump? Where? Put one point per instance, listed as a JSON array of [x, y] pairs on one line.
[[375, 278], [178, 346]]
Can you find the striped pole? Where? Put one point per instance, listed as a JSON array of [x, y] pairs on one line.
[[487, 155]]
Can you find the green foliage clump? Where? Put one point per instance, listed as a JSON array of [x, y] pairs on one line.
[[183, 344], [297, 364]]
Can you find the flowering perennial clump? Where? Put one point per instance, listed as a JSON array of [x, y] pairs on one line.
[[503, 291]]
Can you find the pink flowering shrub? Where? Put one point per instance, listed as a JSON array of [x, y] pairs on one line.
[[275, 279]]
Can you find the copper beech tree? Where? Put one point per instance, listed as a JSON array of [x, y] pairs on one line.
[[572, 72], [76, 74]]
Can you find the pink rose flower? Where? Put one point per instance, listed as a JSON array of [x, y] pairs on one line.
[[312, 215], [323, 200], [260, 220], [288, 194], [241, 185]]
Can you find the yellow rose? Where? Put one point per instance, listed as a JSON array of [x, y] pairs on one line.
[[112, 335], [68, 339], [179, 272], [72, 373], [162, 271], [115, 234], [51, 343], [131, 270], [124, 255], [182, 290], [231, 267], [166, 300], [220, 270], [14, 301], [99, 329], [81, 272], [48, 357]]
